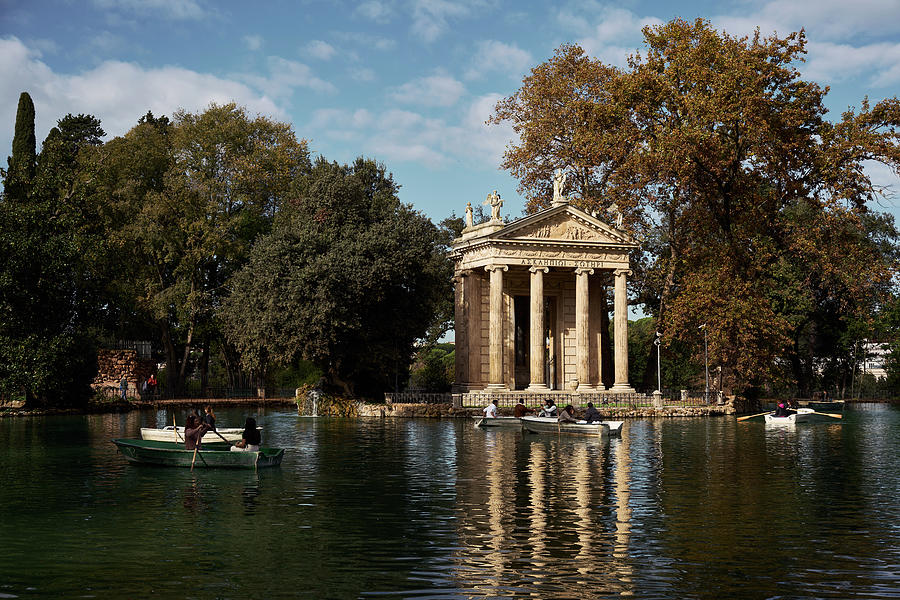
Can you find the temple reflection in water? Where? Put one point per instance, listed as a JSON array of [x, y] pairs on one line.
[[545, 516]]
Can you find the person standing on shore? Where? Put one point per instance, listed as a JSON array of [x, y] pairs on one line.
[[123, 386]]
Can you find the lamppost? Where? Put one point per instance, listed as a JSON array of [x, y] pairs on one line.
[[658, 343], [706, 363]]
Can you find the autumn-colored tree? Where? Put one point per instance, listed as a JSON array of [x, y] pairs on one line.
[[754, 203]]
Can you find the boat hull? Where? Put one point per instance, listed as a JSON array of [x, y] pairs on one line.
[[231, 434], [168, 454], [498, 422], [551, 425], [803, 415]]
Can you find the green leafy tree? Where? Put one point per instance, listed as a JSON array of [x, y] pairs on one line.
[[348, 279], [184, 201], [49, 276], [17, 178]]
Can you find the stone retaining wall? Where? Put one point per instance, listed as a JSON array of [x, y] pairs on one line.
[[112, 365]]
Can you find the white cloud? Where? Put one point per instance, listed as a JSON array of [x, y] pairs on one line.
[[491, 56], [253, 42], [430, 18], [612, 37], [117, 93], [435, 90], [106, 42], [373, 10], [362, 74], [365, 40], [285, 76], [836, 62], [408, 136], [319, 49], [181, 10], [833, 20]]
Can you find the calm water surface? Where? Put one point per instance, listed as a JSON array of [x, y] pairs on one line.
[[416, 508]]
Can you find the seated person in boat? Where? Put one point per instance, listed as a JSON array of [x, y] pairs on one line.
[[521, 410], [592, 414], [490, 411], [250, 438], [782, 410], [567, 415], [549, 409], [209, 417], [193, 432]]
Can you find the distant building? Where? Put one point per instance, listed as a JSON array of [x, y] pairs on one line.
[[876, 354]]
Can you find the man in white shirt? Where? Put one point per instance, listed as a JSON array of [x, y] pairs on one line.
[[490, 411]]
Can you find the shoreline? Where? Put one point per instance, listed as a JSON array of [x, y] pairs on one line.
[[371, 409]]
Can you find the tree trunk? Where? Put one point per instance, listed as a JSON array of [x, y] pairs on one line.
[[171, 360], [204, 367]]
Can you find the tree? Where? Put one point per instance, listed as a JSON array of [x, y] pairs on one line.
[[184, 201], [348, 279], [48, 277], [17, 178], [753, 205]]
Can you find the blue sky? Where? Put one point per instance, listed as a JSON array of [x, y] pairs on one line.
[[408, 82]]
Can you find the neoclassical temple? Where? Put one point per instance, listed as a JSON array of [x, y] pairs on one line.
[[531, 302]]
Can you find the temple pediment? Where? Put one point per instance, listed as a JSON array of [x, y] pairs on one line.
[[564, 224]]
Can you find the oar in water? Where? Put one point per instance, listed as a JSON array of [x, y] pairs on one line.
[[752, 416], [833, 415], [175, 428]]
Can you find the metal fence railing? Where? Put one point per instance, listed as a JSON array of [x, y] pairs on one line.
[[211, 393]]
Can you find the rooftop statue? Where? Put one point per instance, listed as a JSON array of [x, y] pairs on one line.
[[559, 185], [494, 200]]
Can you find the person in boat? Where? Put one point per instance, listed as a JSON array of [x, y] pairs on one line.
[[521, 410], [549, 409], [193, 432], [250, 438], [782, 410], [592, 414], [490, 411], [209, 417], [567, 415]]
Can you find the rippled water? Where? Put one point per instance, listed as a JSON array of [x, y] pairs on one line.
[[416, 508]]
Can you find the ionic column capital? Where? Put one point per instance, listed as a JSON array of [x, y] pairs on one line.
[[490, 268], [535, 269], [625, 272], [584, 271]]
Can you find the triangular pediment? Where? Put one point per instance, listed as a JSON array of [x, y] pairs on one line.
[[563, 224]]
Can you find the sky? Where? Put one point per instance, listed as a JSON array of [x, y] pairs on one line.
[[407, 82]]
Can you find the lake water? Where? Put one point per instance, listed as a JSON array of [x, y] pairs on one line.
[[418, 508]]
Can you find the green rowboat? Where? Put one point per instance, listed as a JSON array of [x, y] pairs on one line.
[[174, 455]]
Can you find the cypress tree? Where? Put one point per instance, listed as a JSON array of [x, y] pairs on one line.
[[21, 163]]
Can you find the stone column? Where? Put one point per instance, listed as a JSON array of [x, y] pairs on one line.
[[495, 337], [461, 332], [582, 330], [621, 332], [536, 334]]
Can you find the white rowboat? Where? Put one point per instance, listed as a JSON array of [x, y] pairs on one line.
[[551, 425], [498, 422], [231, 434], [801, 416]]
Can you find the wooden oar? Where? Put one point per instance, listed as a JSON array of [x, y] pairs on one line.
[[751, 416], [175, 427], [836, 416], [479, 422]]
